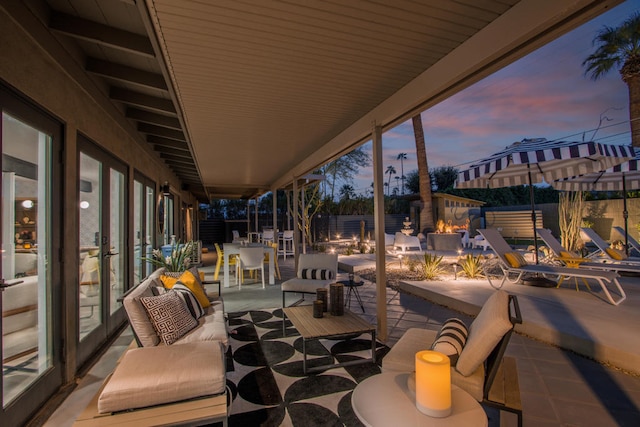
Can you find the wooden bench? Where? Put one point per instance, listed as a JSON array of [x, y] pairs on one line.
[[505, 390]]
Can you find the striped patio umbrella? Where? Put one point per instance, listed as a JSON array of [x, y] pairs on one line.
[[622, 177], [532, 161]]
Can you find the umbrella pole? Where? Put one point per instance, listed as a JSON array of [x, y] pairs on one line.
[[533, 215], [625, 214]]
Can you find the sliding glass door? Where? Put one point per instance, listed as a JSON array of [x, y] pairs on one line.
[[143, 226]]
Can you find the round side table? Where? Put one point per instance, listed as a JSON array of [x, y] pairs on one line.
[[385, 400], [352, 289]]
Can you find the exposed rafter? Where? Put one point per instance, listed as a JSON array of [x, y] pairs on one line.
[[141, 100], [126, 74], [153, 118]]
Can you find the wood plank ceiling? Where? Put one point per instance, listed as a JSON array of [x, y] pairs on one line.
[[241, 96]]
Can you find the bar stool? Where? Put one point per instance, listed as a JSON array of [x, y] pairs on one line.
[[268, 236], [287, 247]]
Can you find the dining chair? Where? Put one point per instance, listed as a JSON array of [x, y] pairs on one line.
[[287, 247], [252, 259], [274, 245], [220, 253], [268, 236]]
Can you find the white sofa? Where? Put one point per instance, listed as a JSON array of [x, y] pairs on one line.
[[299, 284], [211, 327], [20, 317]]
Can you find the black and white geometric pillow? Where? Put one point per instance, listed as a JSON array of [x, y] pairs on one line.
[[316, 273], [169, 315], [191, 301], [451, 339]]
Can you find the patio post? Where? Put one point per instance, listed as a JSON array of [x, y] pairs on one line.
[[378, 219]]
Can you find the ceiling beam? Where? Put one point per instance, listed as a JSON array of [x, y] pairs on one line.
[[177, 160], [100, 33], [125, 74], [174, 152], [141, 100], [166, 142], [178, 135], [153, 118]]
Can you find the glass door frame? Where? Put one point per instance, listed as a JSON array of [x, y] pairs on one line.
[[37, 394], [147, 220], [109, 322]]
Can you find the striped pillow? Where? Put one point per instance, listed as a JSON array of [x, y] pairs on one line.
[[451, 339], [169, 316], [316, 273], [189, 299]]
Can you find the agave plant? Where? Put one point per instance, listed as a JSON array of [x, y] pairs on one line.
[[472, 266], [178, 261], [431, 266]]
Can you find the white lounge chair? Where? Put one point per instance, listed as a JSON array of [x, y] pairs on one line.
[[605, 253], [512, 264], [633, 243], [407, 243], [560, 252]]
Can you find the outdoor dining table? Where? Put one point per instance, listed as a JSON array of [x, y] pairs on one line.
[[234, 249]]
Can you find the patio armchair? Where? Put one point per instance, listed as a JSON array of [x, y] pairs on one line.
[[251, 259], [514, 266], [314, 271], [407, 243], [605, 252], [565, 256], [477, 363]]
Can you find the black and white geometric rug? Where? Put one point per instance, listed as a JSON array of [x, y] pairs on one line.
[[268, 388]]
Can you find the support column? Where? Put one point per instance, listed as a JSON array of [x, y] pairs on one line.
[[274, 194], [296, 231], [303, 220], [378, 219]]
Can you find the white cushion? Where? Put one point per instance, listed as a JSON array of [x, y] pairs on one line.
[[136, 313], [485, 332], [402, 358], [149, 376], [211, 327]]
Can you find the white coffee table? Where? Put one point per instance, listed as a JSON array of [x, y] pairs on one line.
[[385, 400]]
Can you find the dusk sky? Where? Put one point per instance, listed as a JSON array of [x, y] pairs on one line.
[[543, 95]]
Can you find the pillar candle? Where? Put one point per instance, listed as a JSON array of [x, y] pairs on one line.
[[433, 383]]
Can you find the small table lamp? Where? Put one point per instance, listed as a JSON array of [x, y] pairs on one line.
[[433, 383]]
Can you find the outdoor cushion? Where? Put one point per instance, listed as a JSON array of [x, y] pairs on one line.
[[137, 314], [169, 315], [485, 332], [567, 254], [192, 281], [189, 299], [515, 259], [451, 339], [316, 274], [156, 375], [402, 358], [616, 254], [211, 327]]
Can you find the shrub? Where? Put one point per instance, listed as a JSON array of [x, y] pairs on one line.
[[472, 266], [431, 266], [413, 263]]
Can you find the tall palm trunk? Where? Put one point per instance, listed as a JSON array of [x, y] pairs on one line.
[[426, 211], [633, 83]]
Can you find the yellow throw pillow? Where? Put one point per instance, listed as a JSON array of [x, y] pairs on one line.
[[168, 281], [616, 254], [193, 283], [515, 259], [567, 254]]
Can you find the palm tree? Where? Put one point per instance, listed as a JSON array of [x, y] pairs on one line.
[[620, 48], [402, 157], [391, 171], [426, 213]]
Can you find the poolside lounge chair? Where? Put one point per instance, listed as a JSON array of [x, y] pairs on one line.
[[605, 253], [558, 251], [510, 262], [633, 243]]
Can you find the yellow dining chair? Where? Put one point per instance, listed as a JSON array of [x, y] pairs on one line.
[[232, 261]]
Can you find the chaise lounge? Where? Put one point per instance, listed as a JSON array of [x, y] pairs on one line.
[[512, 263]]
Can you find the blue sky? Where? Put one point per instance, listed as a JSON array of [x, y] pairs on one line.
[[543, 95]]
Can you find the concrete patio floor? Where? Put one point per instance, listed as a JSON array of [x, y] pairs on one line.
[[558, 387]]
